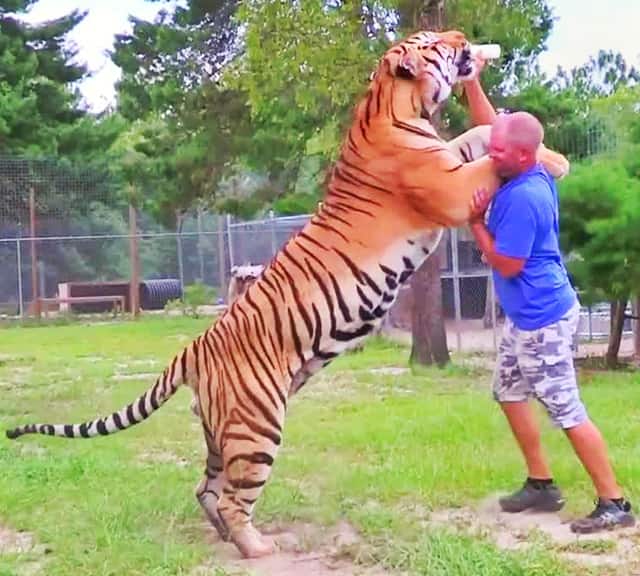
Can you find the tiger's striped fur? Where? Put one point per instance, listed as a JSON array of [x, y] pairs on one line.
[[393, 188]]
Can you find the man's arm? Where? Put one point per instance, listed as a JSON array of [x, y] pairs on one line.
[[480, 109], [506, 266]]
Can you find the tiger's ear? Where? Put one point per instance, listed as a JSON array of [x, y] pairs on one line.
[[407, 66], [454, 38]]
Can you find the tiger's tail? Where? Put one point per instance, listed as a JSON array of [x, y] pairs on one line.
[[140, 409]]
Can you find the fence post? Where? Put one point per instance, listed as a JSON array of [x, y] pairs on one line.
[[222, 260], [200, 254], [494, 327], [179, 248], [134, 284], [19, 258], [274, 238], [34, 254], [456, 285], [230, 241], [42, 278]]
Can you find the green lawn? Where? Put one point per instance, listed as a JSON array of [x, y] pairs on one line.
[[376, 448]]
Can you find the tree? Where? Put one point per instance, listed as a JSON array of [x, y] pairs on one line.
[[193, 127], [482, 21], [304, 66], [39, 116], [601, 75], [600, 206], [521, 27], [567, 103], [37, 102], [429, 335]]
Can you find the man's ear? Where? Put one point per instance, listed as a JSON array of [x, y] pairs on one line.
[[407, 66], [525, 156]]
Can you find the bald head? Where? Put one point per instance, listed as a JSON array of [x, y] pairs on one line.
[[515, 139], [521, 129]]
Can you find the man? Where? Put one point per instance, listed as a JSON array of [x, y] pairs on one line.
[[520, 242]]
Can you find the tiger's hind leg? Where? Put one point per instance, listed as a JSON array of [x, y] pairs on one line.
[[210, 488], [248, 468]]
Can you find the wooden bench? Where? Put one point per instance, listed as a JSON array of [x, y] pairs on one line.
[[118, 301]]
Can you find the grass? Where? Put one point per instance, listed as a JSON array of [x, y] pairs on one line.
[[375, 447]]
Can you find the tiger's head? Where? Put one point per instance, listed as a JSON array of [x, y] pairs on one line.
[[433, 62]]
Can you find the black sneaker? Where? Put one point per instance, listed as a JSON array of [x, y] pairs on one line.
[[606, 516], [541, 498]]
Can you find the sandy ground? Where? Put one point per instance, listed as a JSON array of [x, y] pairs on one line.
[[304, 549], [475, 338]]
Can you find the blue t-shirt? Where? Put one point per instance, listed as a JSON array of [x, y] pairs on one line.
[[524, 222]]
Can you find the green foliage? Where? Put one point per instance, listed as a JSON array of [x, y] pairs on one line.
[[600, 207], [278, 98], [620, 111], [306, 64], [37, 104], [303, 68], [521, 28], [190, 129], [602, 75], [296, 203], [194, 295], [199, 294], [586, 110], [601, 199]]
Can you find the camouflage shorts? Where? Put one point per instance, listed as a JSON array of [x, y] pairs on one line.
[[539, 364]]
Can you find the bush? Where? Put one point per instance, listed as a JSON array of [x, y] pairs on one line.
[[194, 295]]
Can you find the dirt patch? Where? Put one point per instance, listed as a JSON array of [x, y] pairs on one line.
[[12, 542], [613, 549], [136, 376], [138, 362], [156, 457], [6, 359], [22, 543], [19, 376], [390, 371], [302, 549]]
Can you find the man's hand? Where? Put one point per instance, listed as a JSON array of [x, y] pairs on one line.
[[507, 266], [479, 204], [480, 64]]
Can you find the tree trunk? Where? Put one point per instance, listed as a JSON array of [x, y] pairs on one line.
[[636, 328], [615, 333], [427, 323], [432, 15]]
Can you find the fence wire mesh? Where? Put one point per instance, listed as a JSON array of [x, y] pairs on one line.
[[77, 222]]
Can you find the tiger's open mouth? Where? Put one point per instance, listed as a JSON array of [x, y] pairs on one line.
[[465, 65]]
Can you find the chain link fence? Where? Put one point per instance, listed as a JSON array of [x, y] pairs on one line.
[[76, 227]]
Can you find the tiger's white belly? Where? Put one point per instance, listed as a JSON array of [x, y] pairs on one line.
[[368, 300]]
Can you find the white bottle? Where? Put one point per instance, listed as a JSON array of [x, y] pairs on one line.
[[486, 51]]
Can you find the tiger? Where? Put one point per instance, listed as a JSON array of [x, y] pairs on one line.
[[393, 189]]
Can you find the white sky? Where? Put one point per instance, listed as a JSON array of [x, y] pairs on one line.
[[94, 36], [581, 29]]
